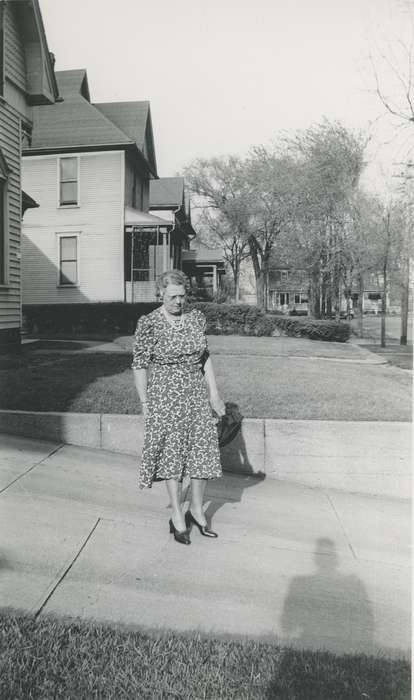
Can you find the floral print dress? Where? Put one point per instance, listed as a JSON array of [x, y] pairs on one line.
[[180, 431]]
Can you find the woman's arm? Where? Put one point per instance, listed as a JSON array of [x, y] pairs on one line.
[[140, 379], [217, 404]]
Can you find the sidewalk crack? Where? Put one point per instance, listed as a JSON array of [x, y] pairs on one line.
[[56, 449], [66, 571], [341, 525]]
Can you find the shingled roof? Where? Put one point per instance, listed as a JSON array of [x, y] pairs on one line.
[[167, 192], [134, 119], [75, 122], [204, 255]]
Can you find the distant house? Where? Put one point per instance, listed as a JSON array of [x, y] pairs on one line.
[[205, 268], [26, 79], [288, 289], [168, 201], [89, 166]]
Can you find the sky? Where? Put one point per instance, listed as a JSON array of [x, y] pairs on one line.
[[225, 75]]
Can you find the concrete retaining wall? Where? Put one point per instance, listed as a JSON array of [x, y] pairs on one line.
[[360, 457]]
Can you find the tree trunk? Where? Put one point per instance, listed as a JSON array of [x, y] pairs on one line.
[[361, 306], [236, 286], [258, 272], [405, 292], [314, 294], [384, 307], [260, 290]]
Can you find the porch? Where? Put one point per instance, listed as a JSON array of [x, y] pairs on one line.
[[204, 268], [150, 248]]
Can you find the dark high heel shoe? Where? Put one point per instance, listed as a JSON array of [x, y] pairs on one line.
[[183, 537], [204, 530]]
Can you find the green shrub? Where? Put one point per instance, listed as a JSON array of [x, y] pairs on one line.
[[118, 318], [110, 318], [242, 319], [314, 329]]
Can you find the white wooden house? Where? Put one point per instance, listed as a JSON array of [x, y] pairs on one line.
[[26, 79], [89, 167]]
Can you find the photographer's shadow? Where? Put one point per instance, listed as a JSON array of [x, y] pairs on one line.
[[328, 609]]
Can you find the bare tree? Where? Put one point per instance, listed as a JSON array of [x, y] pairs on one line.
[[219, 186], [331, 161], [271, 177], [392, 66]]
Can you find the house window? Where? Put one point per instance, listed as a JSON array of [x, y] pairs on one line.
[[68, 261], [4, 173], [68, 181], [297, 298], [284, 275]]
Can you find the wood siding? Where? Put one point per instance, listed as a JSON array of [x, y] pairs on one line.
[[98, 221], [136, 186], [10, 146], [15, 64]]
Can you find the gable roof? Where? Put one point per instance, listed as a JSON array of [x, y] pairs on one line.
[[41, 85], [73, 82], [167, 192], [76, 123], [134, 119]]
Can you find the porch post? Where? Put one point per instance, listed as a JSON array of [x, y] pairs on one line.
[[214, 279], [132, 266], [165, 248]]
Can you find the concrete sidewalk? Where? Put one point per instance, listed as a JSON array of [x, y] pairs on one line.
[[305, 566]]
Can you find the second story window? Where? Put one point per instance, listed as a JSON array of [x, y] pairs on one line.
[[68, 182]]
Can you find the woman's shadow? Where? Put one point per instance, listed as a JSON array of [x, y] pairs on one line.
[[239, 474]]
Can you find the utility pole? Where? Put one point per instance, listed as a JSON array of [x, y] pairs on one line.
[[405, 292]]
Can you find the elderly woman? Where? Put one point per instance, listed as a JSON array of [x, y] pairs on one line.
[[169, 358]]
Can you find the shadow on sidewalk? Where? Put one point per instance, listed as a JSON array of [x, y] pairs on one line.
[[327, 609], [235, 454]]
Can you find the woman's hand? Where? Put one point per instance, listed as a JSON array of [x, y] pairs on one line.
[[217, 404], [144, 407]]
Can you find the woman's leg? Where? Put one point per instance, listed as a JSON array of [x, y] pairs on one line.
[[174, 492], [198, 487]]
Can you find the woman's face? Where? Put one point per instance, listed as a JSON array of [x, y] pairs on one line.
[[173, 298]]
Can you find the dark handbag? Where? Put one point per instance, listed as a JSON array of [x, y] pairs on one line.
[[229, 425]]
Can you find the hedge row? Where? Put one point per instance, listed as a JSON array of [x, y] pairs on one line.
[[242, 319], [222, 319], [80, 319]]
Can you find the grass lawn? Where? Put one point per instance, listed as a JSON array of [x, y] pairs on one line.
[[267, 377], [53, 659], [372, 327], [396, 355]]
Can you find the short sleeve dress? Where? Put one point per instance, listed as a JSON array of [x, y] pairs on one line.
[[180, 431]]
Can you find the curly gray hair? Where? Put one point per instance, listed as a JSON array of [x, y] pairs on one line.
[[171, 277]]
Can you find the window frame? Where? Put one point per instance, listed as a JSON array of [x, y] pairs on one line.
[[4, 238], [59, 182], [59, 236]]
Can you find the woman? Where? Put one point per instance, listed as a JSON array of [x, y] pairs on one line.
[[170, 351]]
